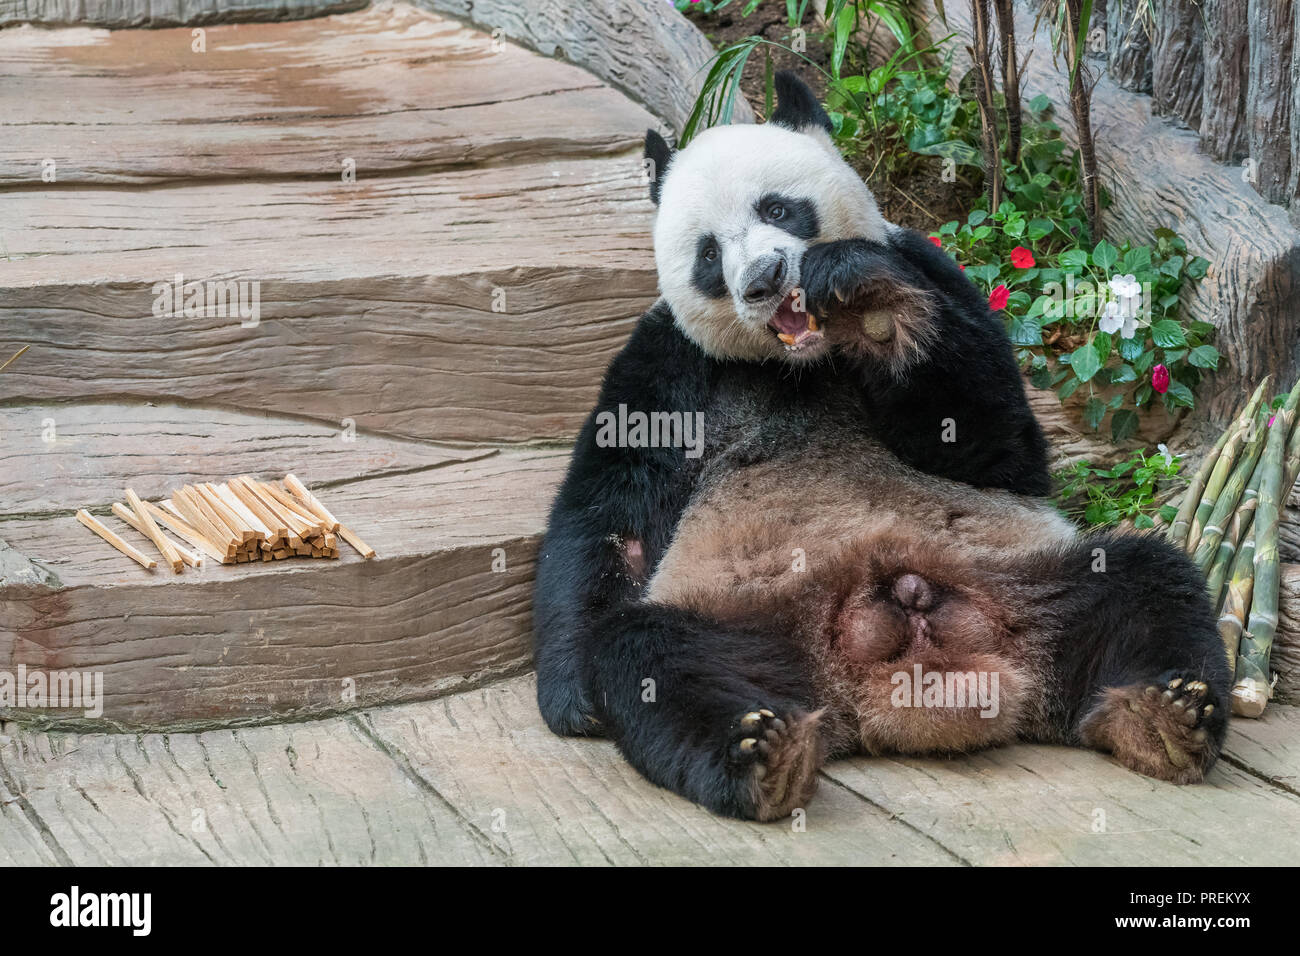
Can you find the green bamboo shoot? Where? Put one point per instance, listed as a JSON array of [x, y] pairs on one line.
[[1242, 428], [1225, 505], [1252, 686]]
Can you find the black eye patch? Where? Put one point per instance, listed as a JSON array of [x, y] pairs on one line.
[[707, 274], [796, 216]]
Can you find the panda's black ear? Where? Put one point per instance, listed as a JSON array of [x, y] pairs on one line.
[[796, 106], [658, 155]]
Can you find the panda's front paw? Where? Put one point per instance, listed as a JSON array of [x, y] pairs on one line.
[[831, 275], [778, 759], [870, 305]]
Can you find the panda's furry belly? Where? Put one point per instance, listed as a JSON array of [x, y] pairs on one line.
[[916, 599]]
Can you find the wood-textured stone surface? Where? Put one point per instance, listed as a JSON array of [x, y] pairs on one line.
[[476, 778]]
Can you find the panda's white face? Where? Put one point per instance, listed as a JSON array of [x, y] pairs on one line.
[[737, 209]]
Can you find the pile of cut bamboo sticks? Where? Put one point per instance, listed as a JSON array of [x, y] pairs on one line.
[[1229, 522], [234, 522]]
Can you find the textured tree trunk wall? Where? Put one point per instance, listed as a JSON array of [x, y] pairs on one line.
[[1128, 46], [1223, 106], [1178, 59], [1270, 24]]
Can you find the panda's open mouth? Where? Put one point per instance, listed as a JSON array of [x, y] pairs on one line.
[[796, 328]]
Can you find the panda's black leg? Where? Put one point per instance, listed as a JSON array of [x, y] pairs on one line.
[[718, 714], [1140, 670], [938, 370]]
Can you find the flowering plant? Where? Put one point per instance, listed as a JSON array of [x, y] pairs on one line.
[[1108, 319]]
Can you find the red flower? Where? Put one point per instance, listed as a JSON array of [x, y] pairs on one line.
[[937, 241], [1022, 258], [998, 298], [961, 267], [1160, 379]]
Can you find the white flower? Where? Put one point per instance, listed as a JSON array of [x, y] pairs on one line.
[[1122, 310], [1119, 317], [1164, 450], [1125, 287]]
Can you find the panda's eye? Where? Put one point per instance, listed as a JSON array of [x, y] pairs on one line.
[[776, 212], [709, 253]]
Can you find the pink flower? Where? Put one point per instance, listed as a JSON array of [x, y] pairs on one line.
[[998, 298], [1160, 379], [1022, 258], [961, 267], [936, 240]]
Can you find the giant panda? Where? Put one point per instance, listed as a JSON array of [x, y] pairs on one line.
[[860, 560]]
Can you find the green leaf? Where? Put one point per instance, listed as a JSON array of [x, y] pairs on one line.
[[1168, 334], [1068, 388], [976, 217], [1101, 342], [1180, 394], [1198, 267], [1143, 521], [963, 154], [1123, 425], [1204, 356], [1025, 331], [1085, 361], [1094, 410], [1038, 228], [1168, 512], [1104, 255], [1124, 373], [1073, 260]]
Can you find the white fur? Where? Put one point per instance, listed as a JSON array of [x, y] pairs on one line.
[[711, 187]]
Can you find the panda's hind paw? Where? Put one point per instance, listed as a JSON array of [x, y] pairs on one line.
[[778, 759], [1170, 728]]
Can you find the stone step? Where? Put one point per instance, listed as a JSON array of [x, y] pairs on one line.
[[390, 87], [445, 603], [470, 285], [476, 778]]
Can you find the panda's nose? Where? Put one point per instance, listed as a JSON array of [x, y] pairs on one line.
[[768, 282]]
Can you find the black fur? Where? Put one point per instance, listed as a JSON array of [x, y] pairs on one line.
[[968, 377], [1146, 614], [706, 275], [797, 106], [660, 154], [797, 216]]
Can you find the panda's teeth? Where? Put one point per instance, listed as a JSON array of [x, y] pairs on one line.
[[786, 338], [812, 323]]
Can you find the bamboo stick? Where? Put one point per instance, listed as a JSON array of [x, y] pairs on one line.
[[258, 507], [193, 559], [195, 509], [1251, 689], [233, 521], [245, 514], [165, 547], [366, 551], [186, 531], [314, 524], [312, 502], [85, 518], [297, 526]]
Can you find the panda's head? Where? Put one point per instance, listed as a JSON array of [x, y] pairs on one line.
[[737, 209]]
